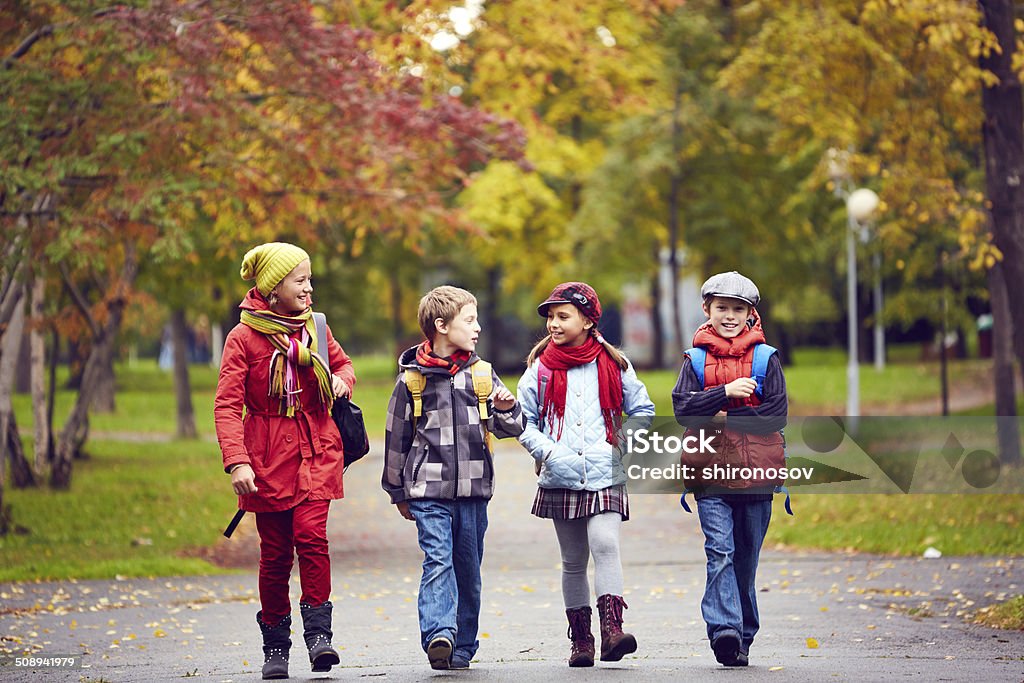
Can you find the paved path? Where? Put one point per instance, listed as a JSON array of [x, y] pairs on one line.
[[872, 618]]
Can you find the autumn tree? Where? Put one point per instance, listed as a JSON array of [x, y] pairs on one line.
[[144, 126]]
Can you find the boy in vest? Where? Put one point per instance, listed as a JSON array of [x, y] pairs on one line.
[[747, 415], [438, 466]]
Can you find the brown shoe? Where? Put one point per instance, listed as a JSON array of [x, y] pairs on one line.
[[582, 639], [614, 643]]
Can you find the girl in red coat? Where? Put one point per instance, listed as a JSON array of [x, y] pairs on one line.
[[280, 445]]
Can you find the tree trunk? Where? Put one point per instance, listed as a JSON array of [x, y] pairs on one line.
[[10, 440], [1003, 131], [76, 429], [396, 311], [106, 387], [675, 187], [23, 374], [51, 393], [77, 353], [657, 328], [1005, 386], [10, 340], [182, 386], [490, 339], [21, 471], [216, 343], [37, 347]]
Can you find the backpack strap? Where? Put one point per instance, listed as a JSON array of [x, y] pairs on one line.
[[415, 382], [320, 320], [698, 357], [759, 367], [758, 371], [482, 385], [544, 374]]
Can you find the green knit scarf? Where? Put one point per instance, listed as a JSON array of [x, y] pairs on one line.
[[290, 354]]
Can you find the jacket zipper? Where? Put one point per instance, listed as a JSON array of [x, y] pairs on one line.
[[455, 436], [419, 463]]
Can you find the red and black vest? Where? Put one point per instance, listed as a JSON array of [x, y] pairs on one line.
[[725, 361]]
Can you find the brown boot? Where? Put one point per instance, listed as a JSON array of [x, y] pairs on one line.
[[614, 643], [582, 639]]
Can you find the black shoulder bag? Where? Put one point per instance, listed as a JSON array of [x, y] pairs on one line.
[[345, 413]]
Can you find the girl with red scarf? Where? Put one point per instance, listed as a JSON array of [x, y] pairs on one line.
[[281, 447], [574, 393]]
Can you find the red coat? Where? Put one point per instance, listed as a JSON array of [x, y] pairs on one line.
[[294, 458]]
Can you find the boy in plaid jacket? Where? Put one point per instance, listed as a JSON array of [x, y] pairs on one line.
[[439, 470]]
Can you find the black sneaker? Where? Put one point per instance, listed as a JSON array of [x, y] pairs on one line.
[[458, 662], [439, 653], [727, 649], [742, 659]]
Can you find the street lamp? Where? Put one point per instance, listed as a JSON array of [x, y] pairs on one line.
[[860, 204]]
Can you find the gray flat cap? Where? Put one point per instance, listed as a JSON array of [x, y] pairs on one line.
[[731, 285]]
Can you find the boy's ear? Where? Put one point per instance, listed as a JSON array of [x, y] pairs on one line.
[[440, 326], [704, 307]]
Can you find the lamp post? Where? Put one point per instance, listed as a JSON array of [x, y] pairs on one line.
[[860, 204]]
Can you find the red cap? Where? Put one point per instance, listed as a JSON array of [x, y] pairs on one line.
[[579, 294]]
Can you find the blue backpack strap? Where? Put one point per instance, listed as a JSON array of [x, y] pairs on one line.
[[758, 371], [698, 357], [759, 367]]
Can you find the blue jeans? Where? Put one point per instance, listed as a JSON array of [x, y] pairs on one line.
[[733, 533], [451, 536]]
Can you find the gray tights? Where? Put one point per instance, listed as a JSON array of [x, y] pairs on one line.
[[578, 539]]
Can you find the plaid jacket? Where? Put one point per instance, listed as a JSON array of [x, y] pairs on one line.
[[446, 456]]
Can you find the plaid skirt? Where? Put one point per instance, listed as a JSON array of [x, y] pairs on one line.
[[569, 504]]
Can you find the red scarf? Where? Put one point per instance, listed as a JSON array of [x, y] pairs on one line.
[[737, 346], [426, 357], [559, 359]]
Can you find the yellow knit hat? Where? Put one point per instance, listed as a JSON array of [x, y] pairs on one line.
[[269, 263]]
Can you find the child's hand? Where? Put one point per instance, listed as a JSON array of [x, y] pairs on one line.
[[339, 386], [740, 388], [243, 480], [403, 509], [503, 399]]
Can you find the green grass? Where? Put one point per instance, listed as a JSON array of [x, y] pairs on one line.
[[132, 509], [903, 524], [1006, 615]]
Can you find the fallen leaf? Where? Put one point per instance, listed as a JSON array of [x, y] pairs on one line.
[[812, 643]]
